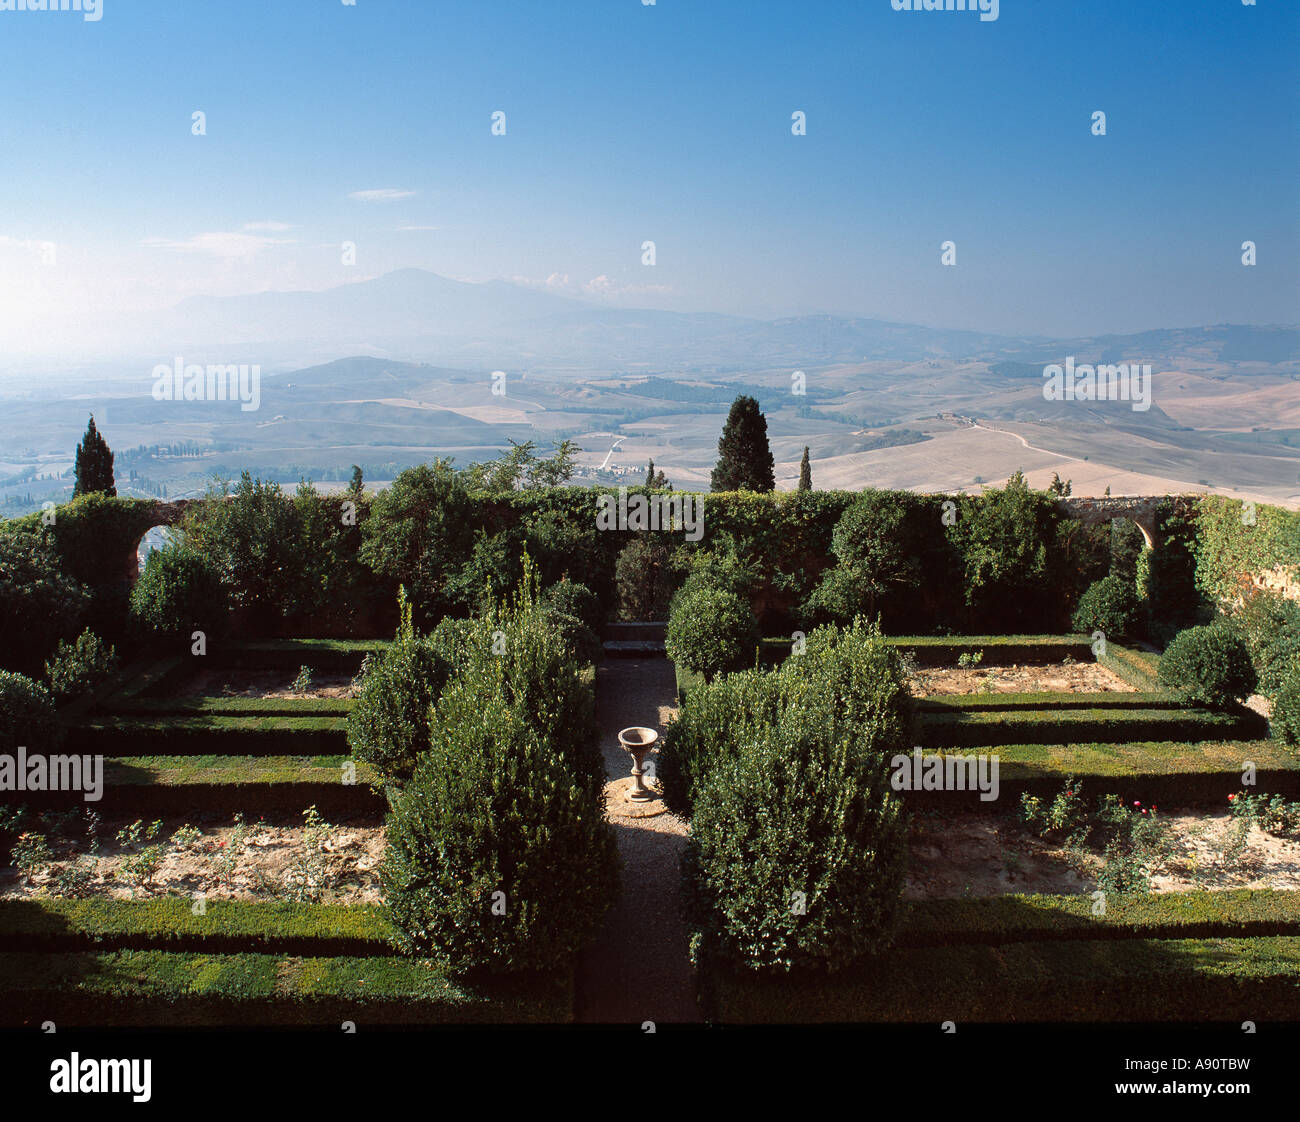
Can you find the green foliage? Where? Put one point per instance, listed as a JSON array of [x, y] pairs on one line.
[[1286, 706], [645, 576], [1003, 538], [1110, 606], [1235, 542], [37, 600], [815, 879], [390, 725], [27, 716], [1208, 665], [31, 855], [711, 630], [77, 668], [1269, 624], [744, 458], [805, 472], [179, 592], [568, 597], [94, 465], [419, 533]]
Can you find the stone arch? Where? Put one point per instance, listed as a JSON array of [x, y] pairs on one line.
[[1141, 511], [151, 516]]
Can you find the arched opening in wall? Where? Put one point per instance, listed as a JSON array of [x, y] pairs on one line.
[[1127, 541], [156, 537]]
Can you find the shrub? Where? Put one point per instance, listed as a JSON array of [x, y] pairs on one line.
[[1269, 624], [38, 602], [389, 725], [643, 572], [570, 598], [1286, 706], [714, 716], [815, 879], [79, 667], [499, 854], [27, 717], [1110, 605], [711, 630], [179, 592], [1208, 665]]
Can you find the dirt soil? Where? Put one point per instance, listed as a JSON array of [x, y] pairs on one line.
[[277, 684], [994, 855], [1066, 677], [350, 854]]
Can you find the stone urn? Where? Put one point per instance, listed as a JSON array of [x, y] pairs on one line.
[[638, 742]]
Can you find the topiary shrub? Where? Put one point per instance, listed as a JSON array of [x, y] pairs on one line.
[[714, 716], [815, 880], [179, 592], [567, 597], [711, 630], [77, 668], [500, 856], [1110, 605], [27, 716], [389, 726], [1208, 665], [1286, 706]]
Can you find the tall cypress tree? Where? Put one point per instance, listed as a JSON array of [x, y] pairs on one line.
[[744, 458], [94, 470], [805, 472]]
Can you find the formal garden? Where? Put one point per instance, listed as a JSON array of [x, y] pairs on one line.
[[360, 757]]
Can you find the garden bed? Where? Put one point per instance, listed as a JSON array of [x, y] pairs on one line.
[[1066, 677]]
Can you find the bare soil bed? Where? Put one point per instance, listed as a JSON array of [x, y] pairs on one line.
[[277, 684], [1066, 677], [988, 855], [267, 864]]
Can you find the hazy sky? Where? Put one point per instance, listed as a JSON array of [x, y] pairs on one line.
[[626, 122]]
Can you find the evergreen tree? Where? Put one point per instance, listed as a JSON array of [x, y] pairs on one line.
[[94, 471], [655, 478], [805, 472], [744, 458], [358, 480], [1057, 487]]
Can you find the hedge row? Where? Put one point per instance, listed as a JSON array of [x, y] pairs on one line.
[[998, 650], [169, 923], [1122, 980], [166, 988], [993, 920], [1139, 669], [212, 735], [966, 728], [343, 655], [1163, 773], [238, 706], [944, 703], [182, 785]]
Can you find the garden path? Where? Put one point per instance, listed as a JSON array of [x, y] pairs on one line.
[[638, 969]]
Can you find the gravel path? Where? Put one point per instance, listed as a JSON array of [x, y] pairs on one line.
[[638, 969]]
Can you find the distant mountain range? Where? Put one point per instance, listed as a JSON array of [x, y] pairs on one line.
[[416, 315]]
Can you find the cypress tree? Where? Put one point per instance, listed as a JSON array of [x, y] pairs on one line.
[[94, 470], [744, 458], [805, 472]]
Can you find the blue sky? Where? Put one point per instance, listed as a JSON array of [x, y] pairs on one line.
[[671, 122]]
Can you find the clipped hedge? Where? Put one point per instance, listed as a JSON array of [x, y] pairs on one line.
[[1140, 669], [993, 920], [999, 650], [165, 988], [1121, 980], [168, 923], [945, 703], [975, 727], [210, 735]]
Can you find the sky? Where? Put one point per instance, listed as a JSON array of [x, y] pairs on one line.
[[627, 122]]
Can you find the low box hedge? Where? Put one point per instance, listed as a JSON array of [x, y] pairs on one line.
[[998, 650], [943, 727], [992, 920], [1139, 669], [167, 988], [1121, 980], [345, 655], [209, 735], [1164, 773], [237, 707], [945, 703], [169, 923]]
